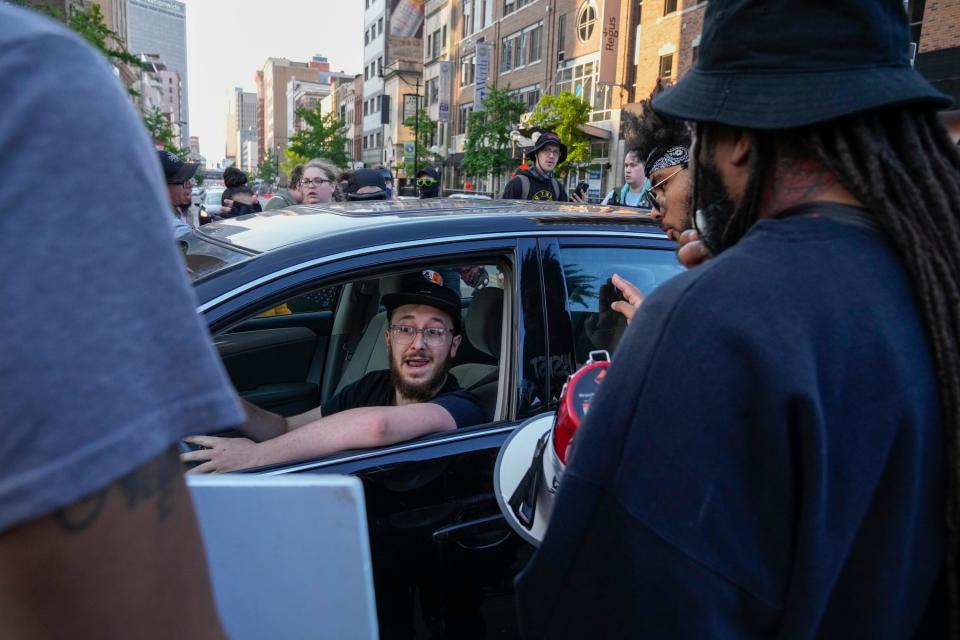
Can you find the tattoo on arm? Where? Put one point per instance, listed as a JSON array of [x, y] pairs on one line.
[[150, 482]]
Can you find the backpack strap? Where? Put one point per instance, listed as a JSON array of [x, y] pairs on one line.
[[623, 194], [524, 186], [556, 188]]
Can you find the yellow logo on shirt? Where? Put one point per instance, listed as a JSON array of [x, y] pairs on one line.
[[543, 194]]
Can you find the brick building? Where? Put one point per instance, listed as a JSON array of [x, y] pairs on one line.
[[936, 26]]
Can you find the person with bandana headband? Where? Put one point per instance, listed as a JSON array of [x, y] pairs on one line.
[[774, 449]]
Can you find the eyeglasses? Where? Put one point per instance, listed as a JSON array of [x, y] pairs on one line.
[[307, 182], [551, 151], [426, 182], [186, 183], [651, 193], [433, 336]]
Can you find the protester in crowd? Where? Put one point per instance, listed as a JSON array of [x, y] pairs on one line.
[[773, 448], [388, 181], [237, 199], [428, 183], [291, 195], [415, 397], [635, 184], [319, 182], [180, 181], [538, 182], [366, 184], [98, 537]]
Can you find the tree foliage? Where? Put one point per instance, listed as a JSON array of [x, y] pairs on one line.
[[268, 170], [563, 114], [158, 125], [427, 130], [325, 136], [488, 148], [89, 23]]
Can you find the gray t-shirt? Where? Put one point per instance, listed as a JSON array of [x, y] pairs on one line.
[[104, 362]]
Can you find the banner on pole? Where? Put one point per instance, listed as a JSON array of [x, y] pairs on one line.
[[482, 61], [446, 79]]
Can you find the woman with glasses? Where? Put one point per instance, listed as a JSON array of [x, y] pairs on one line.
[[319, 183]]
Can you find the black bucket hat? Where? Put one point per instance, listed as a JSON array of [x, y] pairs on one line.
[[781, 64], [549, 137]]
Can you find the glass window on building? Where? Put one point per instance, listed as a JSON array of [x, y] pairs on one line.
[[669, 6], [581, 81], [666, 67], [534, 42], [586, 20], [467, 70], [464, 116]]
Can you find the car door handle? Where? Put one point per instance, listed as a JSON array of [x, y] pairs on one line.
[[460, 531]]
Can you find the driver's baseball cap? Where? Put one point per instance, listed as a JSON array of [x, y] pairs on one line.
[[175, 170], [425, 287]]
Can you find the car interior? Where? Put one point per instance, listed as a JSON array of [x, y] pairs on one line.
[[298, 353]]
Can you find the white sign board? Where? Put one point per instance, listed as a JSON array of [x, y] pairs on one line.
[[609, 42], [482, 75], [289, 556]]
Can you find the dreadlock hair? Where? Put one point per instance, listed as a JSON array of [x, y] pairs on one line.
[[900, 163], [649, 130]]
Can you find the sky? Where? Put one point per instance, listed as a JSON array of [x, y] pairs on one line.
[[227, 42]]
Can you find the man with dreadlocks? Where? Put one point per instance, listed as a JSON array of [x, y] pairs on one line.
[[773, 447]]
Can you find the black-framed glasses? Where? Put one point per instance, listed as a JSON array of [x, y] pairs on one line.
[[315, 182], [186, 183], [651, 193], [404, 334], [426, 182]]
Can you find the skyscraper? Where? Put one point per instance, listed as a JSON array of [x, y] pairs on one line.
[[160, 27], [241, 116]]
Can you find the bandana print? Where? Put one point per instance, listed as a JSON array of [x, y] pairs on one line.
[[670, 158]]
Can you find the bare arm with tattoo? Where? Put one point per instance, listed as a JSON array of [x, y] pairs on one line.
[[126, 561]]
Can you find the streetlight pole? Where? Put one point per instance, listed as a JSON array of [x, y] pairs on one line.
[[416, 127]]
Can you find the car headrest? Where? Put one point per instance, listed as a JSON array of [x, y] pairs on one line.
[[484, 320]]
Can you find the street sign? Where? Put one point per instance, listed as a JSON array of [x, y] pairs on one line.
[[408, 150]]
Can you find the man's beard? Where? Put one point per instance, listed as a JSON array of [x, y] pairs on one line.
[[418, 391], [712, 205]]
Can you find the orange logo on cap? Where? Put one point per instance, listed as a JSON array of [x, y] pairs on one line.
[[433, 277]]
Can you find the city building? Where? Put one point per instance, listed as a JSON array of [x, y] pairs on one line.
[[247, 143], [158, 89], [346, 98], [302, 94], [936, 27], [437, 79], [272, 81], [375, 22], [158, 27], [241, 116]]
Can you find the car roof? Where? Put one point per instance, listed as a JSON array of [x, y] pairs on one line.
[[435, 217]]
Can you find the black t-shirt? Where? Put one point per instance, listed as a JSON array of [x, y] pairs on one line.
[[376, 390]]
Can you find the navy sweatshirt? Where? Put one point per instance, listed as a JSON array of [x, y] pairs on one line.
[[764, 458]]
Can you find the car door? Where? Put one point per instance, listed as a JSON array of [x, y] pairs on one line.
[[444, 559]]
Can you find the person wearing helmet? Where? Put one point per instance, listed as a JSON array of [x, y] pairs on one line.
[[538, 182], [428, 183], [773, 451]]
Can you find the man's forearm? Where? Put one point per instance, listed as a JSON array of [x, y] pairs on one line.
[[261, 424], [356, 429]]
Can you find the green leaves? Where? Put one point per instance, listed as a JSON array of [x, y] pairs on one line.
[[563, 114], [158, 124], [324, 137], [488, 148]]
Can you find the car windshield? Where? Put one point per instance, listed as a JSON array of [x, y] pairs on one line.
[[204, 257]]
